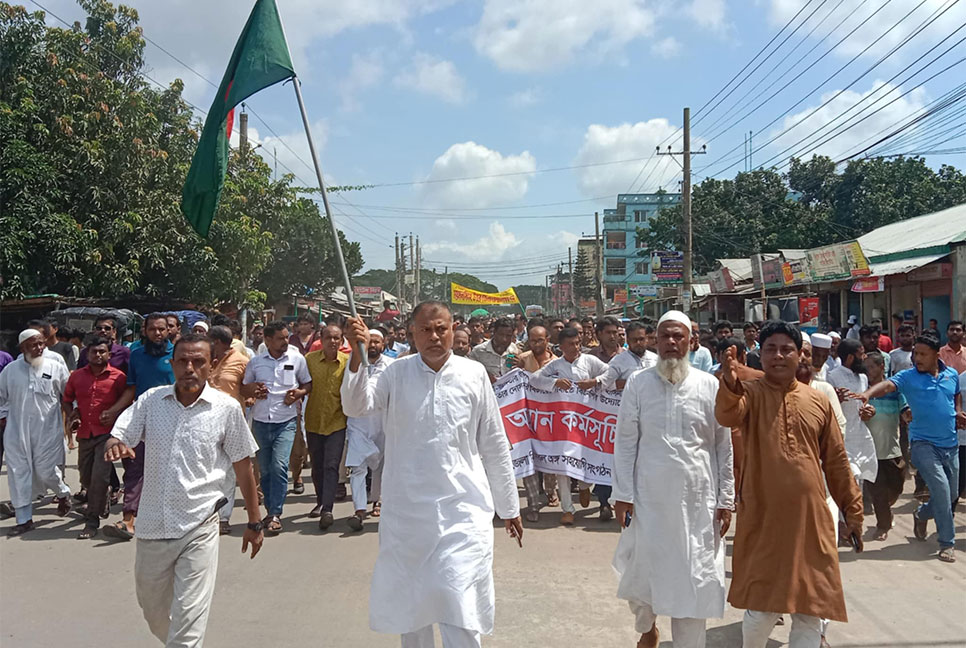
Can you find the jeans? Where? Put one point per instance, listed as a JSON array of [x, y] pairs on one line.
[[603, 494], [939, 467], [96, 473], [326, 452], [274, 447]]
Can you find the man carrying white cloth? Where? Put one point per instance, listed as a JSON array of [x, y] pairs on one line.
[[673, 476], [447, 466]]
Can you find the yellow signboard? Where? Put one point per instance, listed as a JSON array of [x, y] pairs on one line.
[[463, 295]]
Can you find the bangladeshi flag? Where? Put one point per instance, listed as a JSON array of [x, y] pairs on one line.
[[260, 59]]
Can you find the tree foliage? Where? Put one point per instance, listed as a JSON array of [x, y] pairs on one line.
[[584, 279], [92, 162], [809, 206]]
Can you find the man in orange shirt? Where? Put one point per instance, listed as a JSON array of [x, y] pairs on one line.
[[227, 371], [953, 354]]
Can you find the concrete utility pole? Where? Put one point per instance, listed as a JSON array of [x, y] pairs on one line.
[[447, 293], [412, 266], [243, 131], [416, 269], [686, 152], [597, 266], [397, 266], [402, 273], [570, 265]]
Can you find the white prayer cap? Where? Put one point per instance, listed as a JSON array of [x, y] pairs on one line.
[[805, 339], [675, 316], [376, 333], [202, 324], [26, 334], [821, 341], [834, 335]]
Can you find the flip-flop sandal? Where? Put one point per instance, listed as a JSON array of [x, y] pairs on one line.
[[376, 509], [947, 555], [274, 526], [118, 532], [87, 534]]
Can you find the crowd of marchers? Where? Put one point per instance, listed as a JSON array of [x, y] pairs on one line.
[[797, 433]]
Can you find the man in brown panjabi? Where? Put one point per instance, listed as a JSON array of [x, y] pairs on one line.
[[785, 555]]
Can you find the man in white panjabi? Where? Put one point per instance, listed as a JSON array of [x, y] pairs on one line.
[[586, 372], [30, 391], [673, 476], [365, 441], [447, 467]]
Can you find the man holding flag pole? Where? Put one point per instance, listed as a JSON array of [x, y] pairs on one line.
[[177, 610]]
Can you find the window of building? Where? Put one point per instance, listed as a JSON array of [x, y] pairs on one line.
[[642, 267], [640, 216], [640, 244], [616, 266], [615, 241]]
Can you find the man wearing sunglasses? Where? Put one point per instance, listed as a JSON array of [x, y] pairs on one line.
[[106, 326]]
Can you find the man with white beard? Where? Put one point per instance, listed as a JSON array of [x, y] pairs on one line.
[[447, 468], [673, 490], [30, 392], [366, 441]]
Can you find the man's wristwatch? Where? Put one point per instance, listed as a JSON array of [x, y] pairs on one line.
[[255, 526]]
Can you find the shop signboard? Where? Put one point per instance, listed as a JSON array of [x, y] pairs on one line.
[[931, 272], [620, 296], [839, 261], [795, 272], [667, 266], [721, 281], [642, 290], [868, 285], [770, 269], [808, 311], [367, 293]]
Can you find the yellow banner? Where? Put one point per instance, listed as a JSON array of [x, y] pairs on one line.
[[463, 295]]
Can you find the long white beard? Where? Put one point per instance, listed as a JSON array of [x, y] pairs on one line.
[[36, 363], [673, 370]]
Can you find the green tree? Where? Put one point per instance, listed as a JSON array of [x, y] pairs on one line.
[[584, 279], [92, 161]]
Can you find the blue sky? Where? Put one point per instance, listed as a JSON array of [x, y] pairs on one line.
[[405, 91]]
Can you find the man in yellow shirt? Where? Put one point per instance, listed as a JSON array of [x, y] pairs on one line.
[[325, 423]]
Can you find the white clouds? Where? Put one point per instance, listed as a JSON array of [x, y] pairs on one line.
[[435, 77], [365, 72], [526, 98], [666, 48], [535, 35], [853, 12], [491, 247], [710, 14], [626, 142], [818, 127], [469, 159], [276, 146]]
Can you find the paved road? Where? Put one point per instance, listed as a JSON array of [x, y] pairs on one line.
[[310, 589]]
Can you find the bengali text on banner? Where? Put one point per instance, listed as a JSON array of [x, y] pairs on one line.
[[564, 432], [463, 295]]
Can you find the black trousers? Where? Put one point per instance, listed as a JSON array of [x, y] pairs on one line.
[[96, 473], [326, 452]]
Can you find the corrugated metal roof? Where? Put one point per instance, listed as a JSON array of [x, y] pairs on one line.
[[740, 269], [901, 266], [929, 230]]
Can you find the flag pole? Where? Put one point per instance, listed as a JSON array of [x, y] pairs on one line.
[[328, 214]]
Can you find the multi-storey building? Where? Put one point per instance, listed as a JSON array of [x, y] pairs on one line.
[[625, 259]]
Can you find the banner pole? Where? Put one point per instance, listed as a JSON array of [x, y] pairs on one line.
[[364, 356]]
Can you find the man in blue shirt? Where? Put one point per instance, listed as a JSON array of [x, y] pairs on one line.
[[932, 392], [149, 366]]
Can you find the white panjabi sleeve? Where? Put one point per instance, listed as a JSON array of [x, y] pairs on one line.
[[494, 447], [626, 444]]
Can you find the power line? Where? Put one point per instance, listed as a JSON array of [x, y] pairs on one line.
[[832, 76]]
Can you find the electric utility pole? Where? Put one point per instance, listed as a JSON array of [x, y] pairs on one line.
[[686, 153], [598, 260]]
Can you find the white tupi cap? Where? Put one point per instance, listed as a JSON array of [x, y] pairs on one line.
[[375, 333], [834, 335], [675, 316], [203, 324], [821, 341], [26, 334]]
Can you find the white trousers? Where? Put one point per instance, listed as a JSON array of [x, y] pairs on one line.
[[566, 497], [453, 637], [757, 626], [685, 633], [357, 484], [174, 581]]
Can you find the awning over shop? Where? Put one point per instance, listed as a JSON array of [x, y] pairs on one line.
[[901, 266]]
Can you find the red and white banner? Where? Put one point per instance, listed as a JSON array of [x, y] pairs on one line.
[[564, 432]]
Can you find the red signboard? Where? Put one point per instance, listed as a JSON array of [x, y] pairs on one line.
[[808, 311]]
